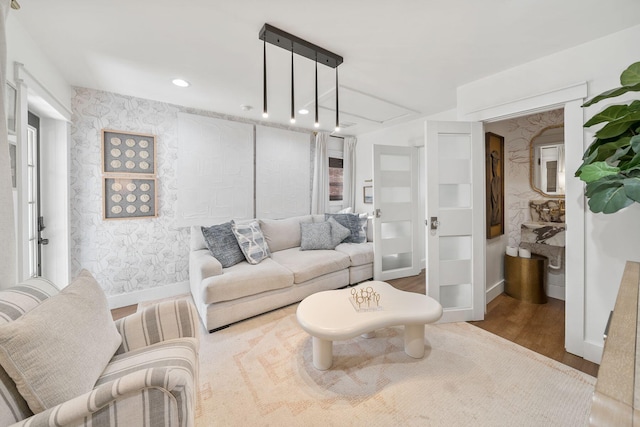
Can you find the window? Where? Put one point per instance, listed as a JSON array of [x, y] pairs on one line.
[[335, 178]]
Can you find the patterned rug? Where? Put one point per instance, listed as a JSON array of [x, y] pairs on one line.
[[259, 373]]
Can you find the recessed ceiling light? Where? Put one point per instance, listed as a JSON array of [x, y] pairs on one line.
[[303, 111], [180, 82]]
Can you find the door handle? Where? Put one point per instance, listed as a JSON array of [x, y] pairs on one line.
[[434, 223], [42, 241], [377, 213]]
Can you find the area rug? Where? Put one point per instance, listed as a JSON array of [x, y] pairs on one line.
[[259, 373]]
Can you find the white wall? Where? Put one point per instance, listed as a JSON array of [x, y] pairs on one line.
[[21, 48], [610, 240]]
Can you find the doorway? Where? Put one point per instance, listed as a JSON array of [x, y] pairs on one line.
[[32, 212]]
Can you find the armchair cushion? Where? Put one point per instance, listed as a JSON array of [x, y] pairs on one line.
[[148, 397], [163, 321], [59, 349]]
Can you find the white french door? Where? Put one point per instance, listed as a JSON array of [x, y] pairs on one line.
[[395, 203], [455, 218]]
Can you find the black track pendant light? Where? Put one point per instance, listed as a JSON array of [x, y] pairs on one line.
[[284, 40], [293, 102], [317, 122], [337, 109], [265, 112]]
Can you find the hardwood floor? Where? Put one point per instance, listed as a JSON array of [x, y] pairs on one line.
[[538, 327], [118, 313]]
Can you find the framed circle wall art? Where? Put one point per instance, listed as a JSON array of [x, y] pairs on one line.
[[129, 175], [128, 152]]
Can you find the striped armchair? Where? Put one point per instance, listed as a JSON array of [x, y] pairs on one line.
[[150, 381]]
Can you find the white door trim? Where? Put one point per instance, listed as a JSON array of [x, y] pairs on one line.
[[570, 98]]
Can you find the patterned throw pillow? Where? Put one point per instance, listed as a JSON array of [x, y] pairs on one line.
[[222, 244], [315, 236], [338, 232], [251, 241], [354, 223]]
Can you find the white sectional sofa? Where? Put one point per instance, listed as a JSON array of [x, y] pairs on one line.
[[227, 295]]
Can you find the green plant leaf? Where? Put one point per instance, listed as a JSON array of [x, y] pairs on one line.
[[609, 114], [602, 183], [620, 126], [631, 164], [612, 94], [609, 200], [635, 143], [631, 76], [597, 170], [609, 149], [634, 106], [632, 188], [619, 154]]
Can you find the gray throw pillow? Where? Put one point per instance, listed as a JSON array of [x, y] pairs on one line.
[[222, 244], [251, 241], [354, 223], [315, 236], [58, 350], [338, 232]]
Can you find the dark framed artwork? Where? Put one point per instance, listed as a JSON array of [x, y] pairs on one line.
[[128, 152], [129, 197], [494, 153]]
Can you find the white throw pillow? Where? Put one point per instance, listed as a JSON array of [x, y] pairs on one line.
[[251, 241], [58, 350]]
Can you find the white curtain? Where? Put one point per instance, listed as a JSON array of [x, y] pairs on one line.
[[349, 173], [320, 193], [7, 225]]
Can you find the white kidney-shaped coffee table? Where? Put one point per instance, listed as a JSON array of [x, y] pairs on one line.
[[330, 316]]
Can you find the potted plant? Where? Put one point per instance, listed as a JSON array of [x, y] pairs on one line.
[[611, 164]]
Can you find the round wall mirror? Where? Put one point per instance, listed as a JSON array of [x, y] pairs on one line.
[[546, 162]]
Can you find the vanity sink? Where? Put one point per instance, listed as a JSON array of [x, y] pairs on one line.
[[546, 233]]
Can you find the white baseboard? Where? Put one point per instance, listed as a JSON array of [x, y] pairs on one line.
[[494, 291], [593, 351], [150, 294], [557, 292]]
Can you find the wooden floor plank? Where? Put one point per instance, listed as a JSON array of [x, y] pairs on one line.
[[538, 327]]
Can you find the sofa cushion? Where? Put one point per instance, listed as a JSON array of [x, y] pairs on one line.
[[58, 350], [338, 232], [222, 244], [251, 241], [307, 265], [359, 253], [316, 236], [355, 223], [244, 279], [283, 234]]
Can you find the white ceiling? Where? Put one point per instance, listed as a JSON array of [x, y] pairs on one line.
[[402, 58]]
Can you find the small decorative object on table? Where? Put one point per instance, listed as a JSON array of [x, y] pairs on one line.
[[365, 299]]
